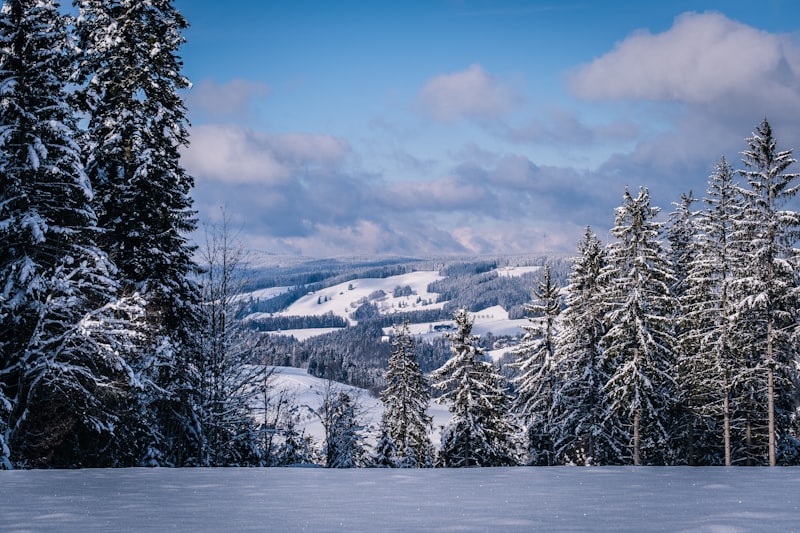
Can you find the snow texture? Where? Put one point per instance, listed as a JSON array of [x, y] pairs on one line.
[[618, 499]]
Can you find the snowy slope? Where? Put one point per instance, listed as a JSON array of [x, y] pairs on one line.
[[263, 294], [309, 391], [512, 271], [344, 298]]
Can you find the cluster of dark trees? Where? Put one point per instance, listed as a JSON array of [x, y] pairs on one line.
[[115, 348], [674, 344], [283, 322]]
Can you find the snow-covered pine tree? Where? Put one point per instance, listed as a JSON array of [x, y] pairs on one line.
[[405, 417], [344, 438], [639, 342], [538, 378], [768, 292], [682, 234], [297, 448], [480, 432], [386, 453], [63, 335], [710, 368], [580, 434], [130, 74]]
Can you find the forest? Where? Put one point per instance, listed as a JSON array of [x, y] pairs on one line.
[[122, 342]]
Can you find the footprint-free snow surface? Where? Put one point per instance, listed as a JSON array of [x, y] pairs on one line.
[[488, 499]]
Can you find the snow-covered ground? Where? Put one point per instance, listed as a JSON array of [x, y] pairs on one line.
[[263, 294], [711, 499], [344, 298], [306, 390], [513, 271]]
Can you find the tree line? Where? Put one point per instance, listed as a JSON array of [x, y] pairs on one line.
[[674, 344]]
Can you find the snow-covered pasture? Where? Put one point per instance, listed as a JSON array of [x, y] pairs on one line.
[[343, 299], [706, 499]]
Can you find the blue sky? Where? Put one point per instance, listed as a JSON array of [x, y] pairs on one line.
[[458, 126]]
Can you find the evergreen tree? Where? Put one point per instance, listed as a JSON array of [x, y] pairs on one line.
[[63, 334], [479, 433], [297, 448], [405, 418], [386, 453], [709, 367], [639, 342], [130, 74], [344, 439], [538, 378], [682, 234], [768, 292], [579, 411]]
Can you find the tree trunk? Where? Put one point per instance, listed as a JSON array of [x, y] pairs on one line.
[[748, 439], [771, 409], [636, 439], [726, 424]]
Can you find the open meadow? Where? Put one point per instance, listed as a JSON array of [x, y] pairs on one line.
[[711, 499]]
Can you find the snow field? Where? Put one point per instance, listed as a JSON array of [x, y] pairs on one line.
[[344, 298], [553, 499]]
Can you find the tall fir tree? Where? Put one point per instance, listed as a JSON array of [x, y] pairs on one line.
[[579, 412], [405, 420], [480, 432], [683, 239], [768, 291], [63, 334], [710, 367], [130, 74], [538, 378], [639, 342]]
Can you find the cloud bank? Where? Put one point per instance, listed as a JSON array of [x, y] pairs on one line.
[[702, 58], [669, 104]]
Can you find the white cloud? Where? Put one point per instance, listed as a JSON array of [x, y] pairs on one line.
[[235, 154], [233, 99], [702, 58], [471, 94], [443, 194]]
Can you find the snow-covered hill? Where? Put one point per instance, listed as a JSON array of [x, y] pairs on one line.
[[393, 294], [344, 298], [308, 391]]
